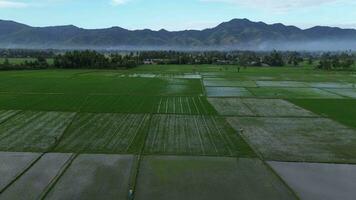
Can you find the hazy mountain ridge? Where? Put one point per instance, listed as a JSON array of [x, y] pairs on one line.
[[235, 34]]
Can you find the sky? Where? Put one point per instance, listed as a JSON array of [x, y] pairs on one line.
[[176, 15]]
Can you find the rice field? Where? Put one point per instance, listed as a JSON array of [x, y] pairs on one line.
[[258, 107], [298, 139], [32, 184], [104, 133], [193, 135], [228, 92], [153, 132], [340, 110], [332, 181], [94, 177], [6, 114], [288, 92], [184, 105], [166, 177], [33, 131], [13, 164]]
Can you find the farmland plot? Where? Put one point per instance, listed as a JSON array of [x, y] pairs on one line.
[[211, 82], [193, 135], [231, 106], [340, 110], [299, 139], [184, 105], [276, 107], [205, 178], [295, 84], [351, 93], [182, 87], [33, 183], [41, 102], [336, 85], [227, 92], [119, 104], [104, 133], [6, 114], [13, 164], [33, 131], [95, 177], [257, 107], [275, 92], [317, 181]]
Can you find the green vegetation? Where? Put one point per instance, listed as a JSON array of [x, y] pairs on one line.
[[105, 133], [298, 139], [208, 178], [341, 110], [194, 135], [33, 131], [170, 118]]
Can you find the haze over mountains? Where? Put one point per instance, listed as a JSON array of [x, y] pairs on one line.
[[237, 34]]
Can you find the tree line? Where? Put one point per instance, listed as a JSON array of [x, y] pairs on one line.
[[116, 60]]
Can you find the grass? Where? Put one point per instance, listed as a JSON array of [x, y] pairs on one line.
[[341, 110]]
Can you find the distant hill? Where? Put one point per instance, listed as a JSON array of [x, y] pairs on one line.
[[235, 34]]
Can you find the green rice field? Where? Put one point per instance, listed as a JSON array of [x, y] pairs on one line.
[[201, 132]]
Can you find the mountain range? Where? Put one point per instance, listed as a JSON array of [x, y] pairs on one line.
[[237, 34]]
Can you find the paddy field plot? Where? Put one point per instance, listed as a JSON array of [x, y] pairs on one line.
[[350, 93], [182, 87], [105, 133], [227, 92], [191, 178], [34, 182], [317, 181], [6, 114], [119, 104], [193, 135], [221, 82], [340, 110], [278, 92], [184, 105], [41, 102], [293, 84], [33, 131], [331, 85], [299, 139], [258, 107], [95, 177], [231, 106], [13, 164]]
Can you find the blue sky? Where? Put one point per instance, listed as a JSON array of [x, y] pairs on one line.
[[177, 14]]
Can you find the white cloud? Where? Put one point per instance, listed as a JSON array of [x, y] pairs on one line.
[[118, 2], [281, 5], [12, 4]]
